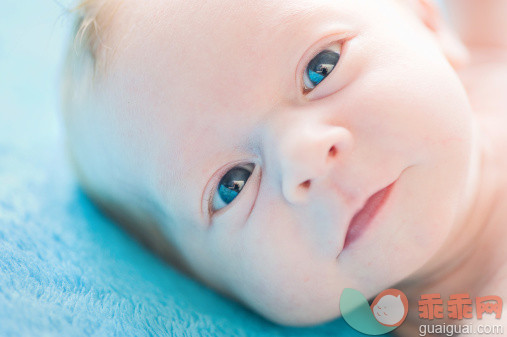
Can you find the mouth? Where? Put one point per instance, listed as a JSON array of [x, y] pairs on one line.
[[362, 219]]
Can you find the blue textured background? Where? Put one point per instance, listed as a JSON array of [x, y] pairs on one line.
[[65, 270]]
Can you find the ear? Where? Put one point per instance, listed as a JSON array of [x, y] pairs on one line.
[[431, 16]]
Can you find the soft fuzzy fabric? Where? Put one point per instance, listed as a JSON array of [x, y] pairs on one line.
[[66, 270]]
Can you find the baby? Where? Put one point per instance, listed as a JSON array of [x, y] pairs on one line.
[[281, 151]]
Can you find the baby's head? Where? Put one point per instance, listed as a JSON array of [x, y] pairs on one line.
[[245, 136]]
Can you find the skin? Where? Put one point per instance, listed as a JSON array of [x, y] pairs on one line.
[[181, 104], [476, 254]]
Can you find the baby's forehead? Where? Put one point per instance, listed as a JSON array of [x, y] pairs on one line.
[[210, 41], [202, 28], [189, 20], [241, 53]]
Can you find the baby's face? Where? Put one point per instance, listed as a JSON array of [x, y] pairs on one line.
[[263, 127]]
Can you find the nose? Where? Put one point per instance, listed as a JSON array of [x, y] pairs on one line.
[[306, 153]]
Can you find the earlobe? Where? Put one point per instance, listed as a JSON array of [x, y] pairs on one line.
[[430, 14]]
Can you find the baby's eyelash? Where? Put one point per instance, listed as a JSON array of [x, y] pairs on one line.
[[206, 200]]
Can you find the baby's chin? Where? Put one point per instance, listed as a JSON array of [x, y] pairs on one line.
[[295, 309], [295, 317]]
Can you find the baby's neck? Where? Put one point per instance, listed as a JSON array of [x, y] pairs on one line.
[[483, 53], [485, 80]]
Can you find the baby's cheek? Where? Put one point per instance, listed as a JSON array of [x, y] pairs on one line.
[[280, 276], [290, 296]]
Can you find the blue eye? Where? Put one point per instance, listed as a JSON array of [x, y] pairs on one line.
[[320, 67], [231, 185]]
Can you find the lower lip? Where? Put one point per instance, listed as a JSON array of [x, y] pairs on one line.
[[361, 220]]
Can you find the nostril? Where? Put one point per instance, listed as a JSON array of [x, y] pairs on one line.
[[305, 184], [332, 152]]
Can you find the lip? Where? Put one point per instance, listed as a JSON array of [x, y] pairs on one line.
[[363, 218]]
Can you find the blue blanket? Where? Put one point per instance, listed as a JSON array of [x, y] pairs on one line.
[[65, 269]]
